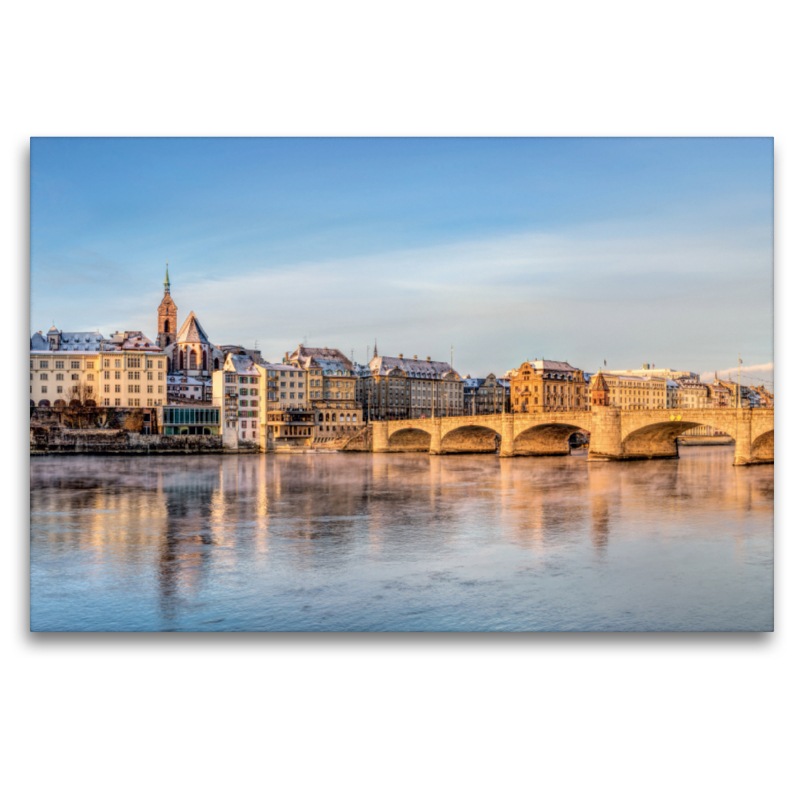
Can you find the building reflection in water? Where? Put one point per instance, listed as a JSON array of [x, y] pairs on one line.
[[183, 536]]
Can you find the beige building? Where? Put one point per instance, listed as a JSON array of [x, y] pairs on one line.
[[286, 412], [634, 393], [693, 394], [331, 388], [64, 377], [547, 386], [117, 378]]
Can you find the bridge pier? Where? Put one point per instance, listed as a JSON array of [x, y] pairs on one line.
[[507, 437], [743, 454], [436, 436], [605, 443], [380, 437]]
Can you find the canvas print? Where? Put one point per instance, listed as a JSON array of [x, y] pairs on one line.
[[414, 384]]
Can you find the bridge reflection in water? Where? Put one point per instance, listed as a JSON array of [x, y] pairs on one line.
[[400, 542], [615, 435]]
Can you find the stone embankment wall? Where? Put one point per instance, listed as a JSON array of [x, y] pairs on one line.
[[48, 440]]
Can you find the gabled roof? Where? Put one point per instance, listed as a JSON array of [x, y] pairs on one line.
[[192, 331], [320, 354]]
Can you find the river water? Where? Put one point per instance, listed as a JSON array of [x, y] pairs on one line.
[[400, 542]]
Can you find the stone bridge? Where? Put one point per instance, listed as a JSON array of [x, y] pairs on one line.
[[615, 435]]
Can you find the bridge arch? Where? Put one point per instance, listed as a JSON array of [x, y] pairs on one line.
[[546, 439], [763, 447], [470, 438], [410, 440], [660, 439]]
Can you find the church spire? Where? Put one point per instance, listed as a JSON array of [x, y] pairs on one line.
[[375, 351], [166, 280]]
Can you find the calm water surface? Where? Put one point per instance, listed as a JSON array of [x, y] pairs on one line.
[[400, 542]]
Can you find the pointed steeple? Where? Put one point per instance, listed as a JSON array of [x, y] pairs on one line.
[[375, 351], [166, 280]]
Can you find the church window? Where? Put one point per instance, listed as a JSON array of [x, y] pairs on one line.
[[166, 326], [192, 360]]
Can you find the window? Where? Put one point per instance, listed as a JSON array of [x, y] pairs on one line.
[[134, 362], [106, 401], [90, 377], [149, 388], [90, 365], [44, 390], [59, 389], [117, 389], [135, 402], [149, 363], [75, 364], [44, 376], [106, 362], [59, 365], [117, 401], [117, 362], [44, 364], [117, 376], [149, 401], [161, 390], [161, 376], [59, 376], [149, 376], [283, 395]]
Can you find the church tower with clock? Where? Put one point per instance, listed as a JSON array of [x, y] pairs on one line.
[[167, 317]]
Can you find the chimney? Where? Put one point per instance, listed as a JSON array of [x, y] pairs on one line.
[[429, 358], [415, 358], [400, 356]]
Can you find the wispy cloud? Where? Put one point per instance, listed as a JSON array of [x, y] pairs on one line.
[[755, 374], [497, 300]]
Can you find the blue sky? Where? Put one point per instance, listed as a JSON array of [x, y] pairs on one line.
[[628, 250]]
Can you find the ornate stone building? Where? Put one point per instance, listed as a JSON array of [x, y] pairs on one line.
[[547, 386]]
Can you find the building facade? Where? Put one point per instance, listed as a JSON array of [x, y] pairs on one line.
[[544, 385], [119, 379], [331, 388], [483, 395], [633, 392], [237, 393], [409, 388]]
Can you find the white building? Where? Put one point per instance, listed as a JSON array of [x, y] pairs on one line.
[[236, 389]]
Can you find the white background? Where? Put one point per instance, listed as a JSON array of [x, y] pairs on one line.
[[393, 715]]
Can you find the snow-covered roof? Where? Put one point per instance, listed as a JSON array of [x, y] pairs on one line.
[[192, 331], [319, 354], [241, 365], [413, 367]]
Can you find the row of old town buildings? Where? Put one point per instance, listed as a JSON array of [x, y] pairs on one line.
[[185, 384]]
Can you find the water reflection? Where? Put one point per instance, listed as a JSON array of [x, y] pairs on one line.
[[400, 542]]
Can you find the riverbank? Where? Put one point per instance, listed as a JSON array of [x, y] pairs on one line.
[[705, 441]]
